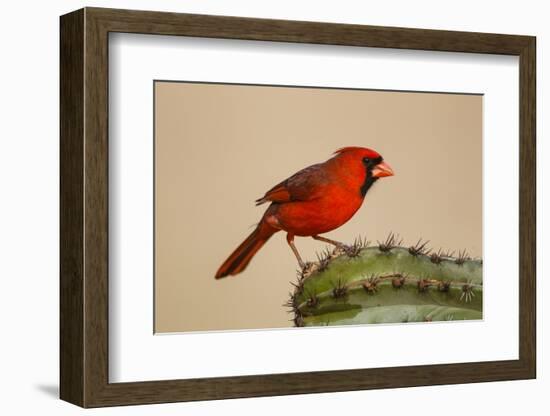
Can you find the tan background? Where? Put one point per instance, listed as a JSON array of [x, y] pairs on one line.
[[219, 147]]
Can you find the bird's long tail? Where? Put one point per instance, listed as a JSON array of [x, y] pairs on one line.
[[239, 259]]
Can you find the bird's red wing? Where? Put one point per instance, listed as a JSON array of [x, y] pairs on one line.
[[304, 185]]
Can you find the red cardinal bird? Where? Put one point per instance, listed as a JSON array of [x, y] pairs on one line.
[[313, 201]]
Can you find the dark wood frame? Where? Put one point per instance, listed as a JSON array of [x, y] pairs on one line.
[[84, 207]]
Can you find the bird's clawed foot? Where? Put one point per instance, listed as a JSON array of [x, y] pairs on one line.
[[290, 241], [341, 246], [350, 250], [307, 268]]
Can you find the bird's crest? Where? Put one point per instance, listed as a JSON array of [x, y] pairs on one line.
[[348, 149], [358, 150]]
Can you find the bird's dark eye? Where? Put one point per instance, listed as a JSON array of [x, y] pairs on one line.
[[366, 160]]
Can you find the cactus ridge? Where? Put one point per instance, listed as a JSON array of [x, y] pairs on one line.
[[386, 283]]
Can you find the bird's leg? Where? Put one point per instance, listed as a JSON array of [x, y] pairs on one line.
[[328, 240], [290, 241]]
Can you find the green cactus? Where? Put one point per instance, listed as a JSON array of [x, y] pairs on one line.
[[387, 283]]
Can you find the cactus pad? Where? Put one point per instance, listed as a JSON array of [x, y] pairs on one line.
[[387, 283]]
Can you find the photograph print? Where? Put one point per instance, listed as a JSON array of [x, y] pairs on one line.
[[285, 206]]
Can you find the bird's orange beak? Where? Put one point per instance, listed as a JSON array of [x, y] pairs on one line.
[[381, 170]]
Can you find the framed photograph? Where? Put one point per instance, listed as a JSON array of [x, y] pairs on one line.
[[254, 207]]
